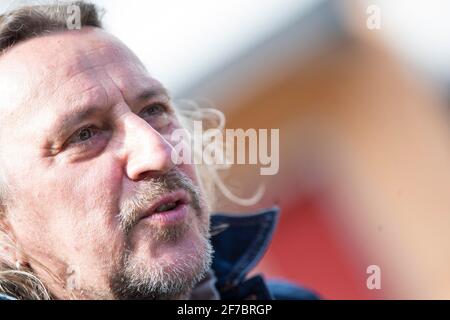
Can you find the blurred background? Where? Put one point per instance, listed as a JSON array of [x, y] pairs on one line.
[[359, 91]]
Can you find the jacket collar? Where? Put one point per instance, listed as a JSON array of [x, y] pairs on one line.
[[239, 242]]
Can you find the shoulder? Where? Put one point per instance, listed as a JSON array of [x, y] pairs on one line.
[[284, 290], [239, 243]]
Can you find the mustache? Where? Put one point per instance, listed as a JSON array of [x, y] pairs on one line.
[[152, 188]]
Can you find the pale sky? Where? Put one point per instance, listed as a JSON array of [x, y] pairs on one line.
[[180, 41]]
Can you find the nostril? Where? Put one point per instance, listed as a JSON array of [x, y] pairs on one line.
[[147, 174]]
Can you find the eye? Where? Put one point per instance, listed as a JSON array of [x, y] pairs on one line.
[[85, 134], [158, 115], [153, 110], [87, 141], [82, 135]]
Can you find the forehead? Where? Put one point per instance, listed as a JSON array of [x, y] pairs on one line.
[[60, 68]]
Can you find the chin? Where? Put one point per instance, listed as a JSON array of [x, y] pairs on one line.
[[164, 270]]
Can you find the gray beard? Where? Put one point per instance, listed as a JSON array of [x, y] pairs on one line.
[[135, 280]]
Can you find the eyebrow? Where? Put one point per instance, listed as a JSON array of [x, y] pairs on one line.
[[150, 93]]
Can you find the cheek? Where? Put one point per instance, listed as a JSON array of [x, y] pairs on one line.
[[94, 197], [76, 211]]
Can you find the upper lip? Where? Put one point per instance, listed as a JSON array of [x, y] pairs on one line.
[[180, 197]]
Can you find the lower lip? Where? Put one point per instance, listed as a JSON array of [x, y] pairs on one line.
[[174, 216]]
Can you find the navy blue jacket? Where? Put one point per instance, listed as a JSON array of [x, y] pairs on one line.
[[239, 245]]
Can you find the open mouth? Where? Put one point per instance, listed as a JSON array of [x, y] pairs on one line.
[[169, 208]]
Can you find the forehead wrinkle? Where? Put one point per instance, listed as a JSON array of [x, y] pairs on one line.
[[141, 91], [83, 59], [135, 84], [74, 71], [94, 71], [95, 96], [46, 58]]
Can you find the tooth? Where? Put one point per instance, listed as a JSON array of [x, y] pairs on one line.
[[166, 207]]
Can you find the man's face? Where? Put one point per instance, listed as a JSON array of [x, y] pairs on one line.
[[85, 151]]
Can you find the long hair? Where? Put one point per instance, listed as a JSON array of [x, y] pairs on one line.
[[17, 25]]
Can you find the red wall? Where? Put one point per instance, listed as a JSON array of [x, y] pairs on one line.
[[306, 250]]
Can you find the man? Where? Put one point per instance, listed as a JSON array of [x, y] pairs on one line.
[[93, 207]]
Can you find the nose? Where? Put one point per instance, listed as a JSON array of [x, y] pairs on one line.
[[147, 152]]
